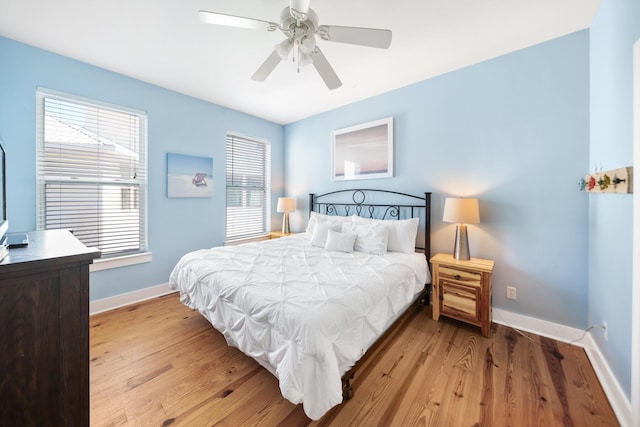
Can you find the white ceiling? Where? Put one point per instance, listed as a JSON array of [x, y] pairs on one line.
[[164, 43]]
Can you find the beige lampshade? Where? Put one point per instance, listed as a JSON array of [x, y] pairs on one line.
[[461, 210], [286, 204]]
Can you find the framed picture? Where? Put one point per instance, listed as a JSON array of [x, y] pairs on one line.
[[363, 152], [189, 176]]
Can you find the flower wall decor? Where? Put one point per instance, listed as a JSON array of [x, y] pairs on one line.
[[613, 181]]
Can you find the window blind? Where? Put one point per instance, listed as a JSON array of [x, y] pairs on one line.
[[248, 187], [91, 172]]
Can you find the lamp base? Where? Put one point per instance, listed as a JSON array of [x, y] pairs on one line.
[[285, 223], [461, 247]]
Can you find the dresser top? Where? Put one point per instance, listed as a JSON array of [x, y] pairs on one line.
[[49, 246]]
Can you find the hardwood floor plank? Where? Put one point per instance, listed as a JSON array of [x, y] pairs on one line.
[[158, 363], [535, 388]]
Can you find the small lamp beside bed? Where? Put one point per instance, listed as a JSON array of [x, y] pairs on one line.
[[286, 205], [461, 211]]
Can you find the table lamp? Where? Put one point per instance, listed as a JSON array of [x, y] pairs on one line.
[[461, 211], [286, 205]]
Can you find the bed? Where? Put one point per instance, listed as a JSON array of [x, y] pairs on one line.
[[308, 307]]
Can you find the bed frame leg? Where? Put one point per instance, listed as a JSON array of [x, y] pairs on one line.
[[347, 389], [423, 300]]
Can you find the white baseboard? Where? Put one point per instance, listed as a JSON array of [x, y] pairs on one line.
[[121, 300], [621, 405], [619, 401], [540, 327]]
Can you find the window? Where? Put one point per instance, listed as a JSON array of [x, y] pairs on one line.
[[248, 187], [91, 171]]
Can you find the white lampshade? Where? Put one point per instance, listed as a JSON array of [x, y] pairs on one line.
[[286, 204], [461, 211]]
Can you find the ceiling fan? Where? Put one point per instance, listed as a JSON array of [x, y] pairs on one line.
[[300, 26]]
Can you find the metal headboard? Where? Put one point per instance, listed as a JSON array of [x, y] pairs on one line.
[[363, 202]]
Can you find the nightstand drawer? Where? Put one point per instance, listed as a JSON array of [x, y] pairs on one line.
[[460, 301], [469, 278]]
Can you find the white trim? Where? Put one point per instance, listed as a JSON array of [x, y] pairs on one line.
[[121, 261], [619, 402], [539, 327], [618, 399], [635, 282], [129, 298]]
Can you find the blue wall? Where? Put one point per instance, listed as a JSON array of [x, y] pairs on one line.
[[512, 131], [613, 33], [176, 123]]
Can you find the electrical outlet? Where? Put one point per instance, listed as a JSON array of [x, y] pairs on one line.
[[511, 292], [605, 331]]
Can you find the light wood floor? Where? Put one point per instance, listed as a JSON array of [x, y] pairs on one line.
[[160, 364]]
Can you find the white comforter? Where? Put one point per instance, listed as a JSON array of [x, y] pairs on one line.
[[305, 314]]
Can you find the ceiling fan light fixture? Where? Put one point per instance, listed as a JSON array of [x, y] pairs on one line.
[[283, 49], [307, 43], [304, 59]]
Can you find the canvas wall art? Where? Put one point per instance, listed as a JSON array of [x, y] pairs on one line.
[[189, 176], [364, 151]]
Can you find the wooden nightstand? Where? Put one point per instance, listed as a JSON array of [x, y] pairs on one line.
[[462, 290], [278, 234]]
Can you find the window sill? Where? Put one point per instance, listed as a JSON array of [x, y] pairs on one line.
[[121, 261]]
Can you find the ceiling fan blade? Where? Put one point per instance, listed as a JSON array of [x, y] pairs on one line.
[[371, 37], [267, 67], [235, 21], [324, 69]]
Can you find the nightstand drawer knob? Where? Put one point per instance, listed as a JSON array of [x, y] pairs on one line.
[[457, 277]]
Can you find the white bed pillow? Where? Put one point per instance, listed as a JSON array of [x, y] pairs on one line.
[[402, 233], [319, 236], [335, 222], [372, 236], [337, 241]]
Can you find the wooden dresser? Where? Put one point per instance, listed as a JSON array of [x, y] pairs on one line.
[[44, 332]]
